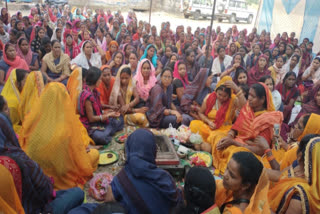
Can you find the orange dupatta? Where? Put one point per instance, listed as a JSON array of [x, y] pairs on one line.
[[308, 188], [258, 201], [250, 124], [103, 90]]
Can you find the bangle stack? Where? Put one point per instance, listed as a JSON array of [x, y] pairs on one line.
[[239, 93], [100, 117], [270, 157]]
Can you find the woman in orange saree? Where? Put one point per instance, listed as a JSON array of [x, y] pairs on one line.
[[244, 188], [218, 110], [298, 190], [256, 118], [51, 135], [106, 85], [30, 93]]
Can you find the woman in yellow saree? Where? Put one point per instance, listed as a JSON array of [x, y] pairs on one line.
[[12, 92], [218, 109], [256, 118], [311, 127], [298, 190], [30, 93], [125, 94], [245, 186], [74, 85], [51, 135]]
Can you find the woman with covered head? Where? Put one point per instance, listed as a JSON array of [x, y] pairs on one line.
[[100, 125], [112, 48], [9, 62], [87, 58], [141, 186], [24, 52], [71, 47], [12, 92], [55, 65], [145, 79], [125, 95], [297, 188], [256, 118], [217, 111], [64, 135], [259, 70], [37, 189]]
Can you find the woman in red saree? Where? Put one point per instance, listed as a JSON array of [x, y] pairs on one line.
[[256, 118]]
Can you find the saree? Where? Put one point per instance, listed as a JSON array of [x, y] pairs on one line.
[[258, 201], [141, 186], [307, 188], [37, 187], [62, 67], [16, 63], [10, 202], [108, 53], [144, 89], [31, 93], [158, 101], [12, 95], [286, 96], [312, 127], [222, 116], [254, 74], [51, 135], [103, 90], [154, 57], [74, 86], [248, 125], [196, 91], [133, 119]]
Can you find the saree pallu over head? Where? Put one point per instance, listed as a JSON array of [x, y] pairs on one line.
[[105, 92], [250, 124], [31, 93], [258, 201], [144, 89], [16, 63], [52, 136], [154, 57], [12, 95], [108, 53], [37, 187], [74, 86], [308, 188], [195, 90], [153, 188], [254, 74], [117, 86], [225, 108], [62, 67], [176, 75], [10, 202]]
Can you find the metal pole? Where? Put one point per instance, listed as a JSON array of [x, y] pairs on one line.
[[7, 5], [212, 16], [150, 12]]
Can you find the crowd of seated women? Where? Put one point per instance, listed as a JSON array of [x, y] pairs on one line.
[[70, 79]]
